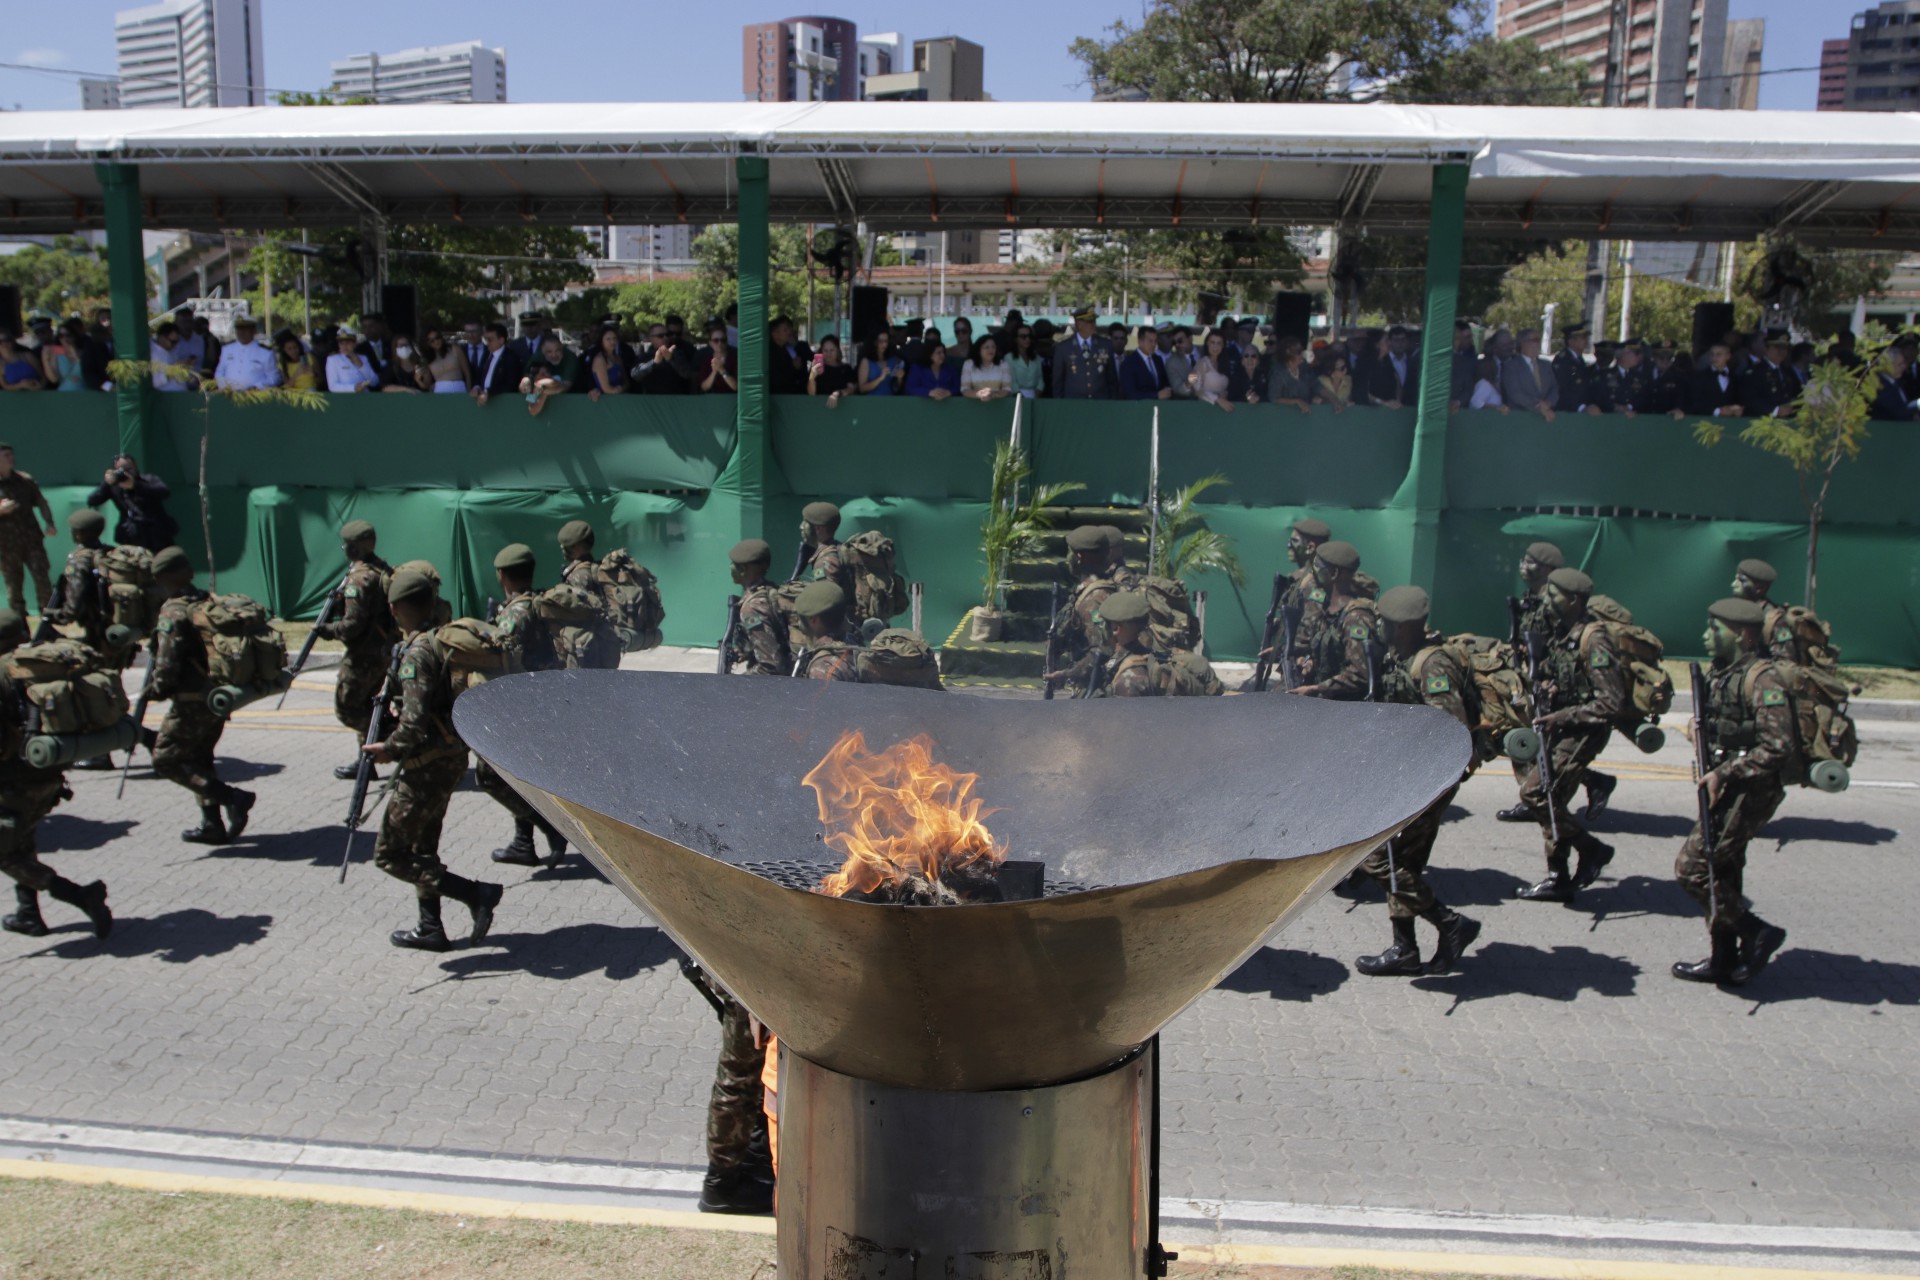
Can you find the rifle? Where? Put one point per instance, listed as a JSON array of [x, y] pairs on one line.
[[1097, 675], [306, 646], [493, 609], [802, 556], [1289, 626], [1702, 766], [377, 730], [727, 637], [1373, 695], [46, 631], [1264, 670], [139, 717], [1545, 764], [1053, 636]]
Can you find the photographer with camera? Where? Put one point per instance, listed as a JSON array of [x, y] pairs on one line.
[[142, 503]]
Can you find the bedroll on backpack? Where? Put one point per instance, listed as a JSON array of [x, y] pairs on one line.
[[1822, 723], [581, 634], [1171, 621], [70, 685], [630, 596], [243, 649], [1649, 687], [899, 657], [133, 598], [878, 591]]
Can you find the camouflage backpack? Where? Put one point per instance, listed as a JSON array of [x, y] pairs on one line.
[[1607, 609], [71, 687], [473, 650], [582, 636], [133, 598], [1812, 637], [630, 595], [1498, 699], [1179, 674], [878, 591], [899, 657], [243, 649], [1822, 724], [1171, 621], [1649, 687]]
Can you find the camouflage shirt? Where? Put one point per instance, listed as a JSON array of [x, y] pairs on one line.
[[1586, 681], [1081, 631], [425, 694], [1750, 721], [1339, 651], [364, 623], [761, 642], [179, 652], [524, 635], [831, 563], [831, 660], [20, 531], [1439, 680], [83, 589]]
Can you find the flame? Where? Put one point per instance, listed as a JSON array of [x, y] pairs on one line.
[[898, 815]]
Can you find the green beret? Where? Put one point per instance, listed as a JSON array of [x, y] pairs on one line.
[[1404, 604], [515, 555], [1737, 612], [751, 551], [1572, 581], [574, 532], [820, 513], [1547, 554], [1760, 571], [1115, 538], [1311, 528], [410, 584], [1124, 606], [171, 560], [1339, 555], [86, 520], [356, 530], [1087, 537], [819, 598]]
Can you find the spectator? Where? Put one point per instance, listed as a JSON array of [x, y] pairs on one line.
[[19, 371], [1026, 370], [607, 370], [97, 353], [1245, 336], [473, 346], [39, 335], [210, 361], [931, 376], [297, 372], [1180, 363], [787, 359], [1486, 387], [985, 376], [1669, 379], [1714, 391], [1526, 380], [879, 372], [1466, 368], [246, 365], [348, 369], [171, 370], [192, 348], [1290, 381], [732, 317], [1394, 380], [1143, 371], [141, 500], [407, 368], [377, 345], [1769, 388], [60, 359], [829, 376], [669, 368], [445, 370], [1890, 402], [552, 373], [1800, 363], [1212, 375], [533, 327], [719, 363], [1334, 386], [962, 345], [499, 369], [1248, 374]]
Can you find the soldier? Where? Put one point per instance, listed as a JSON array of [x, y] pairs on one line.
[[576, 554], [826, 558], [364, 624], [1626, 387], [1080, 634], [1083, 367], [1584, 691], [524, 638], [1418, 668], [1768, 387], [26, 796], [1337, 649], [23, 548], [1137, 671], [183, 753], [739, 1153], [1753, 580], [1573, 372], [760, 641], [81, 596], [1538, 561], [1124, 575], [432, 760], [830, 654], [1751, 738]]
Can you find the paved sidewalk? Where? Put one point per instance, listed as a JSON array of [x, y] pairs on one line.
[[1561, 1072]]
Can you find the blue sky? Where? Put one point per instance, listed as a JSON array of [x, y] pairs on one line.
[[569, 53]]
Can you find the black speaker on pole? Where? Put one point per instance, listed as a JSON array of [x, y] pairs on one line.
[[1292, 316], [869, 313], [1711, 322], [10, 318], [400, 303]]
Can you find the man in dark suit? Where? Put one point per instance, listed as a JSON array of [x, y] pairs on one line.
[[1768, 389], [1466, 367], [473, 343], [1714, 391], [787, 359], [1393, 381], [533, 329], [1573, 372], [376, 344], [500, 369], [1143, 371], [1891, 402]]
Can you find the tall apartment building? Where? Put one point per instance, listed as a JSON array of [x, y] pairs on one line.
[[1882, 60], [1664, 44], [191, 53], [1738, 87], [468, 72], [807, 59], [882, 55], [1833, 75], [945, 69]]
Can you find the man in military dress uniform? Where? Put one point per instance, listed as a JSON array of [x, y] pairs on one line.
[[1415, 669], [364, 625], [432, 760], [1336, 664], [23, 547], [524, 638], [830, 654], [1626, 386], [1136, 671], [183, 752], [1753, 580], [760, 640], [1751, 739], [1573, 372], [1083, 367], [1768, 387]]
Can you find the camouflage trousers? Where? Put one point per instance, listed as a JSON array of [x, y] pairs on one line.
[[1737, 819], [1573, 751], [183, 753], [360, 678], [408, 847], [23, 804], [503, 794], [736, 1119], [1405, 876], [19, 561]]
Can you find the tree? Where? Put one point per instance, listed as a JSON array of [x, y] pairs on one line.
[[1799, 287], [1183, 545], [68, 277], [1662, 306], [717, 251]]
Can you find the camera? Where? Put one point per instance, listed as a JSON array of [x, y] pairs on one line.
[[122, 474]]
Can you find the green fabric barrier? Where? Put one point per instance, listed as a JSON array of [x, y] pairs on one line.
[[1101, 445], [902, 446], [61, 439]]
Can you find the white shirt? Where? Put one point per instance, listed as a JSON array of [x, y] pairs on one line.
[[995, 377], [1485, 396], [191, 349], [247, 366], [346, 373], [163, 360]]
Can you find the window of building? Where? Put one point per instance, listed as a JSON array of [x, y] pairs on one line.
[[1875, 69], [1869, 95]]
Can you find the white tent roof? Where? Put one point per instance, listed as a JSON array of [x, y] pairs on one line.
[[1836, 178]]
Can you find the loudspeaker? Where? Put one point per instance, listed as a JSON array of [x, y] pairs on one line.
[[1711, 322], [869, 317], [10, 318], [1292, 316], [400, 304], [1207, 309]]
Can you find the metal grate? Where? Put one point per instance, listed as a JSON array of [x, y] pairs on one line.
[[797, 873]]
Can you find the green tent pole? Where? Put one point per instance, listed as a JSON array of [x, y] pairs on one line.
[[127, 284], [1426, 482], [751, 458]]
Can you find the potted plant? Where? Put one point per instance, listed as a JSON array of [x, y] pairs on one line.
[[1013, 528]]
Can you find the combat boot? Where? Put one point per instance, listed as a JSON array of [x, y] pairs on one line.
[[1594, 855], [428, 935], [237, 804], [478, 897], [556, 843], [1555, 888], [1717, 967], [1457, 933], [26, 916], [734, 1190], [1599, 791], [211, 829], [1402, 959], [1518, 813], [520, 851], [348, 772], [1758, 941], [90, 898]]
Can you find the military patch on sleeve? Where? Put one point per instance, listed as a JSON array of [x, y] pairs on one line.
[[1317, 596], [166, 624], [1783, 636], [1359, 631], [408, 671], [1600, 659], [1773, 697], [1439, 684], [351, 593], [506, 625]]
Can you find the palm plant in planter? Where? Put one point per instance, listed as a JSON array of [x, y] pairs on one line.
[[1013, 528], [1182, 544]]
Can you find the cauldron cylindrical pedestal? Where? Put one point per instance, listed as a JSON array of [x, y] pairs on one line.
[[883, 1181]]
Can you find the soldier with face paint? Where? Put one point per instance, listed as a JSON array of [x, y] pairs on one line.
[[1753, 580], [1336, 663], [1538, 561]]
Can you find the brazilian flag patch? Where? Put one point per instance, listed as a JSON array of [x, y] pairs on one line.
[[1439, 684], [351, 593], [1773, 698], [1359, 632], [1783, 636], [1317, 596], [407, 671], [166, 624], [1600, 659]]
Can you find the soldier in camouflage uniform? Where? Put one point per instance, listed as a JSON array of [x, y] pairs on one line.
[[1418, 669], [432, 760], [819, 529], [1751, 738], [830, 654], [739, 1154], [363, 623], [1753, 580], [1137, 671], [23, 547], [576, 556], [26, 796], [81, 594], [1337, 650], [1090, 557], [1581, 698], [1538, 561], [760, 643], [524, 638], [183, 752], [1124, 575]]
